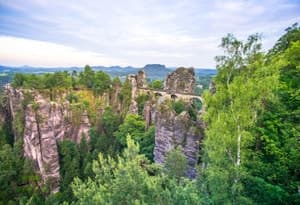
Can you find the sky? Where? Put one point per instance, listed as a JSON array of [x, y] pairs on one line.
[[134, 32]]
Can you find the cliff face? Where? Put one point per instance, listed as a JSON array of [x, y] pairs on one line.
[[14, 109], [45, 123], [141, 79], [114, 97], [171, 131], [42, 123], [137, 82], [2, 111], [177, 130], [182, 80]]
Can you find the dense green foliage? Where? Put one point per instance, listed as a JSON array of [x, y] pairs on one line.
[[125, 96], [251, 151], [127, 180], [46, 81], [18, 182], [202, 84], [277, 130], [141, 100], [104, 141], [157, 84], [135, 126], [176, 164], [192, 108], [178, 106], [70, 166], [89, 79]]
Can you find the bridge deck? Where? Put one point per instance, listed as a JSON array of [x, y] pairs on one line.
[[182, 95]]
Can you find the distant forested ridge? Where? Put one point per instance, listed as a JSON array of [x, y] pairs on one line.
[[154, 71]]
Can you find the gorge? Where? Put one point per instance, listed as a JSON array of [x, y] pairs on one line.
[[46, 122]]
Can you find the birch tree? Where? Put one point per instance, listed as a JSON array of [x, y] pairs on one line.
[[242, 84]]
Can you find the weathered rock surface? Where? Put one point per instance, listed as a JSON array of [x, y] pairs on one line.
[[141, 79], [114, 97], [176, 131], [182, 80], [14, 106], [2, 114], [133, 108], [149, 112], [45, 123], [173, 130], [137, 81]]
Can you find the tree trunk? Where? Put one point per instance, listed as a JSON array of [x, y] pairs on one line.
[[238, 157]]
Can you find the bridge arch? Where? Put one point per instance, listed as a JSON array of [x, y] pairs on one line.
[[193, 98], [158, 94], [196, 103], [174, 97]]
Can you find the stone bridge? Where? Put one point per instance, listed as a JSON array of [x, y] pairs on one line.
[[184, 96]]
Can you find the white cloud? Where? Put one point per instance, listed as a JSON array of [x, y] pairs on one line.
[[20, 51], [150, 31]]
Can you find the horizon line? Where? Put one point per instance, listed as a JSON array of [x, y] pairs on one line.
[[93, 66]]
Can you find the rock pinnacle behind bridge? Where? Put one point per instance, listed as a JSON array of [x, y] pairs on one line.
[[182, 80]]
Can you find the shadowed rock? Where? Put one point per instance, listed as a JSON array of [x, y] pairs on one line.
[[45, 123], [174, 130]]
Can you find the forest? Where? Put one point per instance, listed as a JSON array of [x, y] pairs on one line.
[[250, 152]]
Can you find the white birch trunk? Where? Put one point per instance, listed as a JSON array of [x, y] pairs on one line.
[[238, 155]]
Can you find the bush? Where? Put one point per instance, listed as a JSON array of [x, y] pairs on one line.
[[178, 106]]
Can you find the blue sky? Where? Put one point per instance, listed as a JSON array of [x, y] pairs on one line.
[[134, 32]]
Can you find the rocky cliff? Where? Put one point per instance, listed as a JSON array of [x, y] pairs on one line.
[[177, 129], [42, 123], [2, 113], [14, 110], [141, 79], [114, 97], [173, 131], [182, 80], [137, 82]]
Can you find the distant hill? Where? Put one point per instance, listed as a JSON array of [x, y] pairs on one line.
[[154, 67], [154, 71]]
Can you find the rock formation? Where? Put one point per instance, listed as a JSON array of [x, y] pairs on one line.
[[137, 81], [182, 80], [149, 112], [14, 108], [133, 108], [114, 97], [141, 79], [2, 112], [42, 123], [173, 130], [45, 123]]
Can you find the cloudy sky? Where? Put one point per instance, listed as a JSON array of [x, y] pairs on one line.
[[133, 32]]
